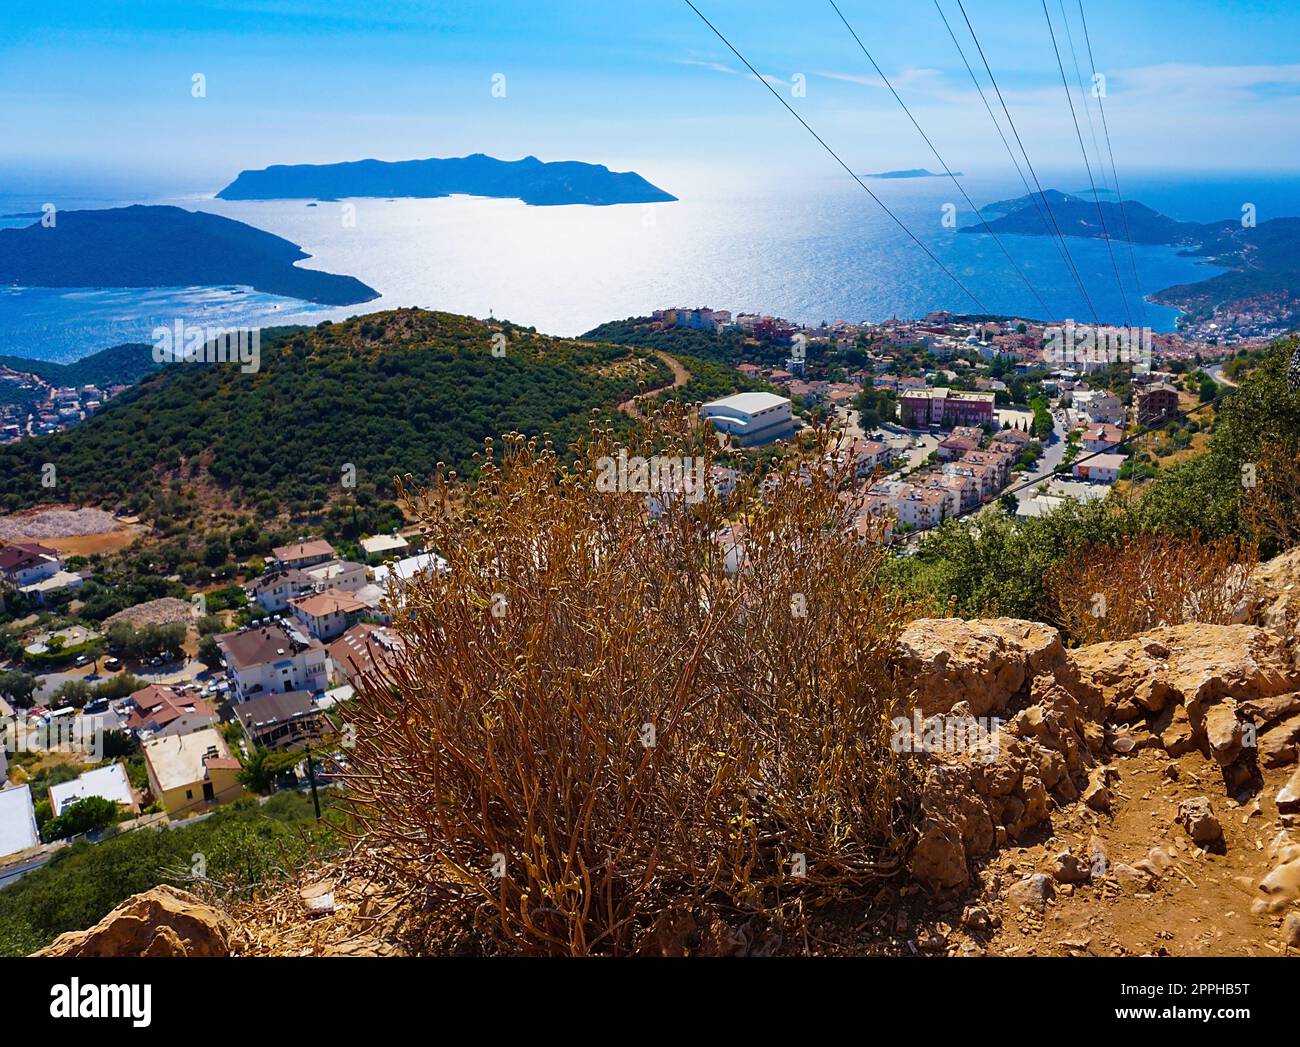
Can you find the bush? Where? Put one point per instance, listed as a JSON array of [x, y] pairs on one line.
[[633, 726]]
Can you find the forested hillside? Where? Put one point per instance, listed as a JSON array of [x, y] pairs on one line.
[[359, 401]]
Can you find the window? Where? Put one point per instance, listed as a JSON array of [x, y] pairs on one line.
[[189, 794]]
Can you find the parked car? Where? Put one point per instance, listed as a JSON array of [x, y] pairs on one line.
[[113, 664]]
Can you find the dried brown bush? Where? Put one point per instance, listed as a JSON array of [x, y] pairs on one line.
[[1272, 501], [568, 625], [1110, 592]]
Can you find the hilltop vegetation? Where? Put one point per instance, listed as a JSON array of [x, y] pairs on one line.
[[351, 403], [118, 365]]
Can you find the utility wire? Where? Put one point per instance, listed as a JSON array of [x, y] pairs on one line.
[[943, 163], [1119, 196], [1028, 163], [1096, 197], [997, 126], [883, 206]]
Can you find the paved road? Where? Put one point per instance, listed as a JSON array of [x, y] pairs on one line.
[[1053, 455]]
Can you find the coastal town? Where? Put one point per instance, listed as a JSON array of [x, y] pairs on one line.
[[945, 415]]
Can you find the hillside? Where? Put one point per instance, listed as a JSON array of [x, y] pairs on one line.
[[141, 246], [117, 365], [529, 180], [388, 394]]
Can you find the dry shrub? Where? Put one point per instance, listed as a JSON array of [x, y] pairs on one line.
[[1272, 503], [590, 702], [1111, 592]]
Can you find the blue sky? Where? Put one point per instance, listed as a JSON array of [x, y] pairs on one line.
[[101, 90]]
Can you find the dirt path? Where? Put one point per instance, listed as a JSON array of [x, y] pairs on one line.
[[680, 377]]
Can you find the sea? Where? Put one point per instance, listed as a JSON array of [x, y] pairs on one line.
[[804, 243]]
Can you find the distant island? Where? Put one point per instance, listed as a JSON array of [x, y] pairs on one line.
[[143, 246], [529, 180], [915, 172], [1264, 259]]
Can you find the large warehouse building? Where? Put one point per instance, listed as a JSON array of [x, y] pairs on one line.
[[751, 418]]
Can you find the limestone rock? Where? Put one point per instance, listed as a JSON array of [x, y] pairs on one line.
[[1224, 732], [939, 858], [1195, 665], [1198, 818], [1275, 603], [1033, 892], [1288, 799], [982, 663], [1280, 744], [1067, 868], [1291, 930], [163, 921]]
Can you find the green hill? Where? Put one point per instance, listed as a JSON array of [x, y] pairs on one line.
[[384, 394], [119, 365]]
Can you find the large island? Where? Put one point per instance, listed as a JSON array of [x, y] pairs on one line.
[[529, 180]]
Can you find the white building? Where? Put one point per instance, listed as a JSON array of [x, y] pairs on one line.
[[1101, 468], [751, 418], [266, 659], [110, 783], [17, 821], [384, 545], [342, 575], [328, 614], [1099, 405]]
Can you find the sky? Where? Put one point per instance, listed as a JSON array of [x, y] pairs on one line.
[[101, 93]]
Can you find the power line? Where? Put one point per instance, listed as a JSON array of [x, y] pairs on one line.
[[1028, 163], [1087, 165], [1119, 196], [997, 126], [943, 163], [897, 221]]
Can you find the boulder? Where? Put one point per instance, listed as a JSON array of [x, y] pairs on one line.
[[163, 921], [1275, 600], [1288, 798], [1197, 817], [982, 663], [1280, 744], [1033, 893], [1067, 868], [1224, 732]]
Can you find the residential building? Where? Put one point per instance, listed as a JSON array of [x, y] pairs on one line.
[[109, 782], [1102, 437], [1101, 468], [923, 407], [17, 821], [342, 575], [191, 772], [24, 564], [264, 659], [157, 710], [328, 614], [751, 418], [289, 720], [1100, 406], [380, 546], [303, 554], [1156, 403], [362, 650], [274, 590]]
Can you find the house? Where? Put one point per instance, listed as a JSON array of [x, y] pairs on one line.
[[922, 507], [1099, 405], [263, 659], [1156, 403], [1101, 468], [380, 546], [328, 614], [1012, 440], [274, 590], [954, 446], [342, 575], [25, 564], [1102, 437], [362, 650], [109, 782], [751, 419], [289, 720], [303, 554], [158, 710], [17, 821], [191, 772]]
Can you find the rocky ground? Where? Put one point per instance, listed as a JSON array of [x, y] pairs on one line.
[[1140, 797]]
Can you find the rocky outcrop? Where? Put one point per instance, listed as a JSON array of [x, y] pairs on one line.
[[1229, 692], [980, 663], [1275, 599], [163, 921]]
